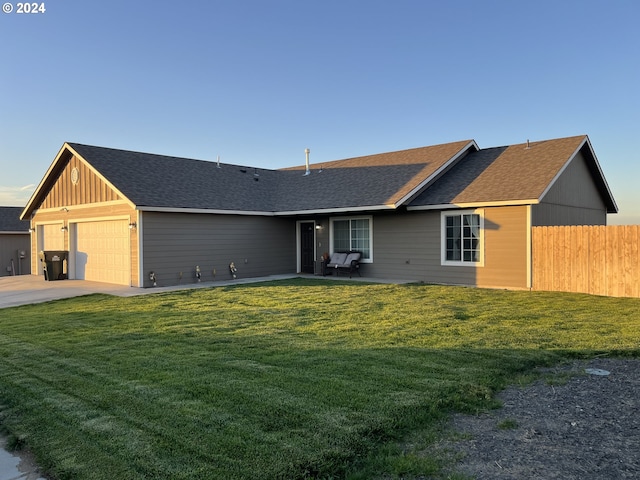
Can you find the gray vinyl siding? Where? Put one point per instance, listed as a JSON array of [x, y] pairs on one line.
[[403, 246], [572, 200], [177, 242], [505, 252], [408, 247], [9, 246]]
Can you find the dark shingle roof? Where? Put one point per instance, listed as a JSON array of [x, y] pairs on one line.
[[452, 173], [159, 181], [10, 220], [150, 180], [506, 174], [334, 188], [373, 180]]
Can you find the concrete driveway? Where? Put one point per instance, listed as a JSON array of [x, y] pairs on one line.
[[27, 289]]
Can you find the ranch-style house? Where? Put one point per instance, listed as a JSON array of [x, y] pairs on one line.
[[450, 214]]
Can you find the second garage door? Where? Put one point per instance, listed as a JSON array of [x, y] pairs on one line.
[[102, 252], [52, 237]]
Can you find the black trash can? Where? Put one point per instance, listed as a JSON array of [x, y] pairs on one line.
[[55, 264]]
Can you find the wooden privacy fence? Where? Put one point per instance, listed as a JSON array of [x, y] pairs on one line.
[[589, 259]]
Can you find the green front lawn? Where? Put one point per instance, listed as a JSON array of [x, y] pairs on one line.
[[280, 380]]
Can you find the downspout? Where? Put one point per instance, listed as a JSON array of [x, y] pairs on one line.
[[139, 233], [529, 250]]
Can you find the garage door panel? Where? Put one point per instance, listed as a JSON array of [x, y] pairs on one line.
[[53, 237], [103, 252]]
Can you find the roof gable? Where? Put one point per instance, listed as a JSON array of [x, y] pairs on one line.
[[595, 170], [58, 188], [521, 173]]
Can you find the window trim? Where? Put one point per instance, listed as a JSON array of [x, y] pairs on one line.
[[359, 217], [443, 238]]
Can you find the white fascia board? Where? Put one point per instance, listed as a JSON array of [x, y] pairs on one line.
[[447, 206], [448, 164], [35, 193], [261, 213], [203, 210], [264, 214], [329, 211], [562, 169], [601, 173]]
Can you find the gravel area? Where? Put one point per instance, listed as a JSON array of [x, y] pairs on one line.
[[586, 426]]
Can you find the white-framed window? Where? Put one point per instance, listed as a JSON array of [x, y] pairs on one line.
[[462, 237], [353, 233]]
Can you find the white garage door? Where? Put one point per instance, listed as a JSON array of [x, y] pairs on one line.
[[102, 252], [52, 237]]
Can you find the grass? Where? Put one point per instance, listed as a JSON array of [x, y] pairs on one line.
[[293, 379], [507, 424]]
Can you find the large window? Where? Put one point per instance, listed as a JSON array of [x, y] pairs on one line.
[[462, 234], [349, 234]]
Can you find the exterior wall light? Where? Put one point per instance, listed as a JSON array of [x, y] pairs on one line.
[[132, 225], [64, 229]]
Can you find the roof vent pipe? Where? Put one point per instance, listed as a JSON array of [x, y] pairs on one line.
[[306, 152]]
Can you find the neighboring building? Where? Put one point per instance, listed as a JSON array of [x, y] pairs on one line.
[[15, 250], [450, 213]]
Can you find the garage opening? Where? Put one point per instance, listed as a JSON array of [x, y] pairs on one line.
[[102, 252], [50, 237]]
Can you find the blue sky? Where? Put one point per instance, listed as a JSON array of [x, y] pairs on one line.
[[257, 82]]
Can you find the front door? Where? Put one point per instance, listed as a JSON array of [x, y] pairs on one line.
[[307, 243]]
